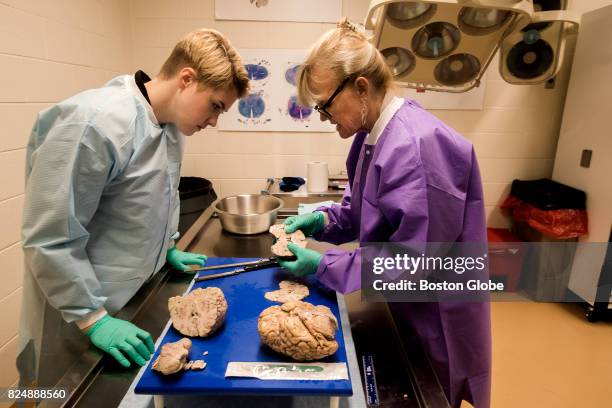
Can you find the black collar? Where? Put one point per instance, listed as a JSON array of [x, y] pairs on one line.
[[141, 79]]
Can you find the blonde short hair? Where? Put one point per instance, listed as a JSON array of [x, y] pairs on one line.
[[211, 55], [343, 52]]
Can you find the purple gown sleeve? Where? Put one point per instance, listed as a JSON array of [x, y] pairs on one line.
[[340, 228], [399, 213], [475, 224]]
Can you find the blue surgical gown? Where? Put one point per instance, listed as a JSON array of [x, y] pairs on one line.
[[101, 209]]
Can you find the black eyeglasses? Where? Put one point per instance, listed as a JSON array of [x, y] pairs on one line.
[[323, 108]]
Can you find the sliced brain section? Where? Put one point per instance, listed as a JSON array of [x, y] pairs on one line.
[[289, 291], [199, 313], [282, 239]]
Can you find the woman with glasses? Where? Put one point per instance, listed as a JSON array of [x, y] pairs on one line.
[[412, 179]]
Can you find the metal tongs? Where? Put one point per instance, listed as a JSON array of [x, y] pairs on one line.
[[246, 267], [246, 263]]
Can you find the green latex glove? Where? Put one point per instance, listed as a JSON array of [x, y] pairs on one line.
[[306, 263], [181, 260], [310, 223], [122, 339]]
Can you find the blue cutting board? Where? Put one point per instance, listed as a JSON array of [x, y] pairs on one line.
[[237, 340]]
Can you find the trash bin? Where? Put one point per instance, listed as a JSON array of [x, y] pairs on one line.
[[506, 253], [553, 209], [550, 216], [196, 195]]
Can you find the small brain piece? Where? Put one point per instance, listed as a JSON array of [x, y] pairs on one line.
[[199, 313], [282, 239], [299, 330], [289, 291], [173, 357], [198, 365], [195, 365]]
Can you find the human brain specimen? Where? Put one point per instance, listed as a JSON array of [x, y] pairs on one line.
[[199, 313], [299, 330], [289, 291], [282, 239], [172, 357]]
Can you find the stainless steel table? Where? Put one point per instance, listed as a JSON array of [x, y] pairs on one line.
[[404, 376]]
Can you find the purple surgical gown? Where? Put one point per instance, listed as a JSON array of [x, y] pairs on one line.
[[419, 183]]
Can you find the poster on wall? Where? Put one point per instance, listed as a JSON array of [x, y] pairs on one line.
[[470, 100], [312, 11], [272, 103]]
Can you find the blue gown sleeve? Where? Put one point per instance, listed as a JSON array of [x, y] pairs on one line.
[[175, 157], [66, 176]]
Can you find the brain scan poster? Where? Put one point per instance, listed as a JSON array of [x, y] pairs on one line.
[[272, 103], [315, 11]]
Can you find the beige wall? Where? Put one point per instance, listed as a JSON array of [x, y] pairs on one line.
[[49, 50], [584, 6]]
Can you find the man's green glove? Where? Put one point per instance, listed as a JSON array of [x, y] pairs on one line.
[[306, 263], [122, 339], [181, 260], [310, 223]]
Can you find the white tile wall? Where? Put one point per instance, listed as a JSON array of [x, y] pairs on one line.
[[11, 90], [11, 305], [17, 129], [22, 32], [49, 50], [10, 214], [11, 259], [12, 178], [160, 8], [8, 352], [199, 9], [66, 43]]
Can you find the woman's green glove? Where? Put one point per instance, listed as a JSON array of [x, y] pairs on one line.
[[181, 260], [310, 223], [306, 263], [122, 339]]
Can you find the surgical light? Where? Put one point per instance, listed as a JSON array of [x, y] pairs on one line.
[[481, 21], [457, 69], [400, 60], [448, 45], [436, 40], [408, 14], [527, 61]]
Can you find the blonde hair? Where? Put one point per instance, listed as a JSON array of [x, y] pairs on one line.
[[211, 55], [343, 52]]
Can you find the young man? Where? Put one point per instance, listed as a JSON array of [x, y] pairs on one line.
[[101, 209]]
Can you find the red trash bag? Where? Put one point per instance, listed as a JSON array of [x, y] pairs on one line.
[[551, 208]]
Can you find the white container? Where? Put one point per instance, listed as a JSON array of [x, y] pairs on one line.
[[317, 177]]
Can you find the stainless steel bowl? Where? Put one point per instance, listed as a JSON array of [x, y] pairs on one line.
[[248, 214]]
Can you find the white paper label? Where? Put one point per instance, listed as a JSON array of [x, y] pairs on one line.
[[287, 371]]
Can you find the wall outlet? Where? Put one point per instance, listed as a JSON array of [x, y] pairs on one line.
[[585, 159]]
